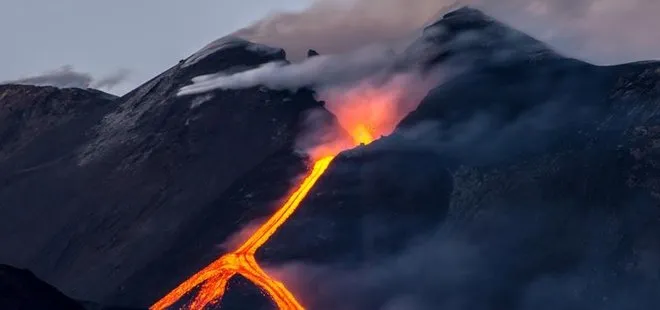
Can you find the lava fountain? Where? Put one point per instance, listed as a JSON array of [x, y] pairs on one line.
[[364, 113]]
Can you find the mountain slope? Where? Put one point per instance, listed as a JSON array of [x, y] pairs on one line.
[[536, 190], [105, 205]]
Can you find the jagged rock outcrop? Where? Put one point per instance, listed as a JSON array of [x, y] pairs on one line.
[[312, 53]]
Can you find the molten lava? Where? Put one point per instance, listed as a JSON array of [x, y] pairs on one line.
[[362, 115], [241, 261]]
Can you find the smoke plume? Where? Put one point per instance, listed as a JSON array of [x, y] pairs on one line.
[[601, 31], [340, 26], [62, 77], [319, 71]]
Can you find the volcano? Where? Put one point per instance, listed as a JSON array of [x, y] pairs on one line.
[[526, 181]]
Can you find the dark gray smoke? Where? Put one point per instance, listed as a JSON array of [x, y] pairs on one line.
[[534, 256], [522, 250]]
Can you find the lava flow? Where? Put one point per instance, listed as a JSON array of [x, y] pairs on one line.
[[241, 261], [362, 119], [213, 279]]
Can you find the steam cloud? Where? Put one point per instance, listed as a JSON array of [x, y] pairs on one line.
[[67, 77], [601, 31]]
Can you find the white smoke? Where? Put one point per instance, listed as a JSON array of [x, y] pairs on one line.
[[63, 77], [68, 77], [319, 71]]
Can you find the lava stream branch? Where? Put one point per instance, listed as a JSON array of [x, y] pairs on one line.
[[212, 280]]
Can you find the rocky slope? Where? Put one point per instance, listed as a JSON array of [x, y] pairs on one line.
[[94, 189], [528, 181]]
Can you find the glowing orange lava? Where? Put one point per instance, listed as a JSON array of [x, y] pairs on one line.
[[241, 261], [363, 115]]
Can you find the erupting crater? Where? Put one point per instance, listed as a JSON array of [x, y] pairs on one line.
[[377, 110]]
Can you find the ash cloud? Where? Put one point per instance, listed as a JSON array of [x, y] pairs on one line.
[[601, 31], [67, 77]]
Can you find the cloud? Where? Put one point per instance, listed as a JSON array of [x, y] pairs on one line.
[[602, 31], [341, 26], [67, 77], [63, 77]]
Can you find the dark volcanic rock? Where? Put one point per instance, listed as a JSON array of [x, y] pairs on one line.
[[312, 53], [92, 204], [28, 113], [468, 36], [22, 290], [544, 166]]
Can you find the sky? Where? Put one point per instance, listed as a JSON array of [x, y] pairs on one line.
[[103, 38], [117, 45]]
